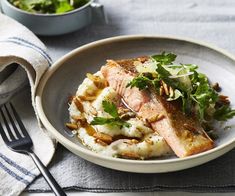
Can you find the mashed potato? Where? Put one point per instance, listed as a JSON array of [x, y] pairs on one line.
[[138, 141]]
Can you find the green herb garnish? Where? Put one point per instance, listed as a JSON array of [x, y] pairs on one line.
[[48, 6], [187, 84], [111, 109], [141, 82], [224, 113], [164, 58]]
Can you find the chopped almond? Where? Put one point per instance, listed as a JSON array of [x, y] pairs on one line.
[[93, 111], [155, 118], [77, 118], [70, 98], [78, 104], [98, 81], [87, 98], [165, 87], [171, 91], [161, 90], [134, 141], [131, 155], [216, 87], [104, 137], [72, 126], [100, 142], [224, 99]]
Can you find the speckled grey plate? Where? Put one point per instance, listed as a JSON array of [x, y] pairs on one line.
[[63, 78]]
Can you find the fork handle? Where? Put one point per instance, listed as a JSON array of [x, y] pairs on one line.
[[47, 175]]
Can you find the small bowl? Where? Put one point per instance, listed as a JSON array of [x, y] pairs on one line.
[[63, 78], [54, 24]]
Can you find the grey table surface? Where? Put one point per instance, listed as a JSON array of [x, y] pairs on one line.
[[73, 193], [206, 20]]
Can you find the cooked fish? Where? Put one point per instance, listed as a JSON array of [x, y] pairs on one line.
[[182, 132]]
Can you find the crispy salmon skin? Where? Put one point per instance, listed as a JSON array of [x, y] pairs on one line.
[[182, 132]]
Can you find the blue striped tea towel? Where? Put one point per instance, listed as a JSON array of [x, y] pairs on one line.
[[21, 46]]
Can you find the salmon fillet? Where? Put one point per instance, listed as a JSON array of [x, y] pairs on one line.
[[183, 133]]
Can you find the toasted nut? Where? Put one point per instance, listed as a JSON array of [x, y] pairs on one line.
[[78, 104], [155, 118], [70, 98], [146, 123], [149, 141], [77, 118], [92, 77], [104, 137], [80, 120], [87, 98], [100, 142], [131, 155], [161, 91], [131, 141], [224, 99], [122, 110], [134, 141], [89, 129], [93, 111], [171, 91], [127, 115], [216, 87], [165, 88], [83, 122], [160, 116], [71, 126], [90, 92], [98, 81]]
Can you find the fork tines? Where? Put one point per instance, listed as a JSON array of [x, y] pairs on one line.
[[11, 126]]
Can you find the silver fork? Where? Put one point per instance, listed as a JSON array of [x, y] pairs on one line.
[[22, 143]]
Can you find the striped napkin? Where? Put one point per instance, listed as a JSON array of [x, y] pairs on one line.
[[20, 46]]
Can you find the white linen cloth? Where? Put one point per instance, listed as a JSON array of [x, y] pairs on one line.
[[21, 46]]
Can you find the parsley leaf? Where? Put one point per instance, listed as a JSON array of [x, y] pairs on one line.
[[224, 113], [187, 84], [204, 96], [164, 58], [163, 74], [140, 82], [111, 109]]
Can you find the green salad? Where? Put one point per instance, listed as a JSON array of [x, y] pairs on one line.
[[186, 84], [48, 6]]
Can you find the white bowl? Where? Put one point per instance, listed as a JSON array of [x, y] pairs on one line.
[[63, 78]]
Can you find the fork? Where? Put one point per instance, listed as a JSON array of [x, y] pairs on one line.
[[22, 143]]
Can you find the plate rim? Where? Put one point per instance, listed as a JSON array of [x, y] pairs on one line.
[[46, 76]]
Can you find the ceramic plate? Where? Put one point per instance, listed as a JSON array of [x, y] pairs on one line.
[[63, 78]]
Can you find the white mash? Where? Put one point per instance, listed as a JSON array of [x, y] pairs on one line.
[[135, 142]]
